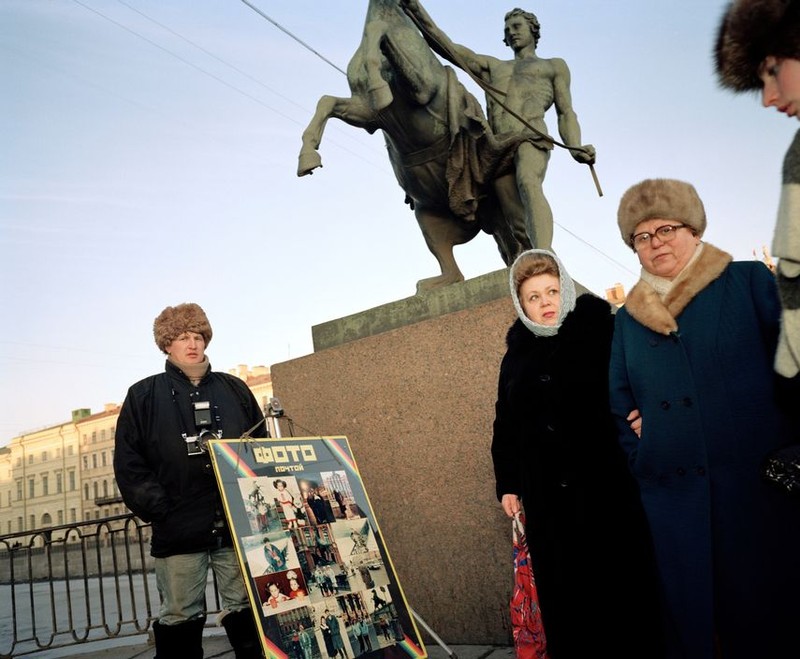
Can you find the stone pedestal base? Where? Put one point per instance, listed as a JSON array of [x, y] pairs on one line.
[[417, 404]]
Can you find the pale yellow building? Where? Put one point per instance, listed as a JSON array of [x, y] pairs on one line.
[[65, 473], [41, 479]]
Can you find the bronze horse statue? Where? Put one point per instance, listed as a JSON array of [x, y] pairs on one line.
[[440, 146]]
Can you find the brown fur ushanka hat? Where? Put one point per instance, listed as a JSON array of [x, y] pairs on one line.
[[663, 198], [174, 321], [749, 31]]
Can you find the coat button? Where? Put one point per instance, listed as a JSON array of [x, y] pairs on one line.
[[544, 377], [680, 471], [563, 483], [549, 428], [214, 532], [665, 405]]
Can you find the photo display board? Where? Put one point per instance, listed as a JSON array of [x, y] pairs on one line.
[[319, 576]]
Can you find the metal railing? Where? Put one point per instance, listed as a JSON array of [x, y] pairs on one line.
[[78, 583]]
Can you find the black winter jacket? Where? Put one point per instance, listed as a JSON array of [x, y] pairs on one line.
[[158, 479], [555, 446]]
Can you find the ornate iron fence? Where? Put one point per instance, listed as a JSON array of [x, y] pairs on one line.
[[78, 583]]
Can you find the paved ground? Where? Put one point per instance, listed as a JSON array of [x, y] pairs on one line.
[[216, 646]]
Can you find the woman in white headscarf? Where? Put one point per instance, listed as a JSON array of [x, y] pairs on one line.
[[555, 450]]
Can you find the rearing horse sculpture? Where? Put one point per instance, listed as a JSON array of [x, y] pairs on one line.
[[439, 143]]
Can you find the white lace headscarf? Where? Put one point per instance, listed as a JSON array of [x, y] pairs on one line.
[[567, 294]]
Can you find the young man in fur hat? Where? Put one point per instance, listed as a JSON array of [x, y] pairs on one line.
[[165, 477], [758, 49]]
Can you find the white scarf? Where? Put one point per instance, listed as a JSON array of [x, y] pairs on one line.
[[567, 295]]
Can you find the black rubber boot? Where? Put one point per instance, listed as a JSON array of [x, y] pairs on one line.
[[184, 640], [243, 635]]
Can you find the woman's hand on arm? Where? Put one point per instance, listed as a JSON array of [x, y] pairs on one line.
[[510, 503], [635, 419]]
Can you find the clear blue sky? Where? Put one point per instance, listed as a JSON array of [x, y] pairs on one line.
[[149, 154]]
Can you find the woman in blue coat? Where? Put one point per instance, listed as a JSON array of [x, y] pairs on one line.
[[693, 350]]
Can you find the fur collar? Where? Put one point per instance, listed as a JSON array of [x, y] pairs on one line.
[[647, 307]]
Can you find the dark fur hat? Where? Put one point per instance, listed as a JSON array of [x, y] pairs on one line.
[[749, 31], [662, 198], [174, 321]]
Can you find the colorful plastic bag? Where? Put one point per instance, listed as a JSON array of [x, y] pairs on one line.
[[526, 617]]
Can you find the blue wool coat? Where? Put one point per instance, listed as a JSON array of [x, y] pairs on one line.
[[727, 545]]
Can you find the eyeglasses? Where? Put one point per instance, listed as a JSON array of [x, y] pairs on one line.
[[664, 233]]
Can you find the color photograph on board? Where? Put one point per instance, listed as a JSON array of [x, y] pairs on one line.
[[318, 573]]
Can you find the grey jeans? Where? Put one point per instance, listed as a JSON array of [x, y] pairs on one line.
[[181, 581]]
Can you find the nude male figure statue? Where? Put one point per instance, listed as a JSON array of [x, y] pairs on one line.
[[531, 85]]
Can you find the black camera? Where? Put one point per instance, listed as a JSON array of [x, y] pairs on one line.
[[197, 444]]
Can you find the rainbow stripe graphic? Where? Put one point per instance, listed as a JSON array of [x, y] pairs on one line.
[[411, 648], [339, 449], [273, 651], [233, 458]]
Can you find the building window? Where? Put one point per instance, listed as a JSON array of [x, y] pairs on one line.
[[19, 490], [86, 462], [30, 459], [94, 486], [86, 491], [32, 521], [60, 517], [71, 480], [19, 524], [59, 482], [94, 436], [104, 459], [103, 435], [19, 461], [105, 488], [94, 460], [44, 456], [70, 450], [31, 488], [58, 452], [45, 483], [87, 516]]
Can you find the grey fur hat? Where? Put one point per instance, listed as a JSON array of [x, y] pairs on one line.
[[174, 321], [663, 198], [749, 31]]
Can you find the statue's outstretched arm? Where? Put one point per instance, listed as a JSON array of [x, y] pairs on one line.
[[441, 44]]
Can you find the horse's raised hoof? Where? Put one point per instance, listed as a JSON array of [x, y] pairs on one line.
[[431, 283], [380, 97], [308, 162]]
